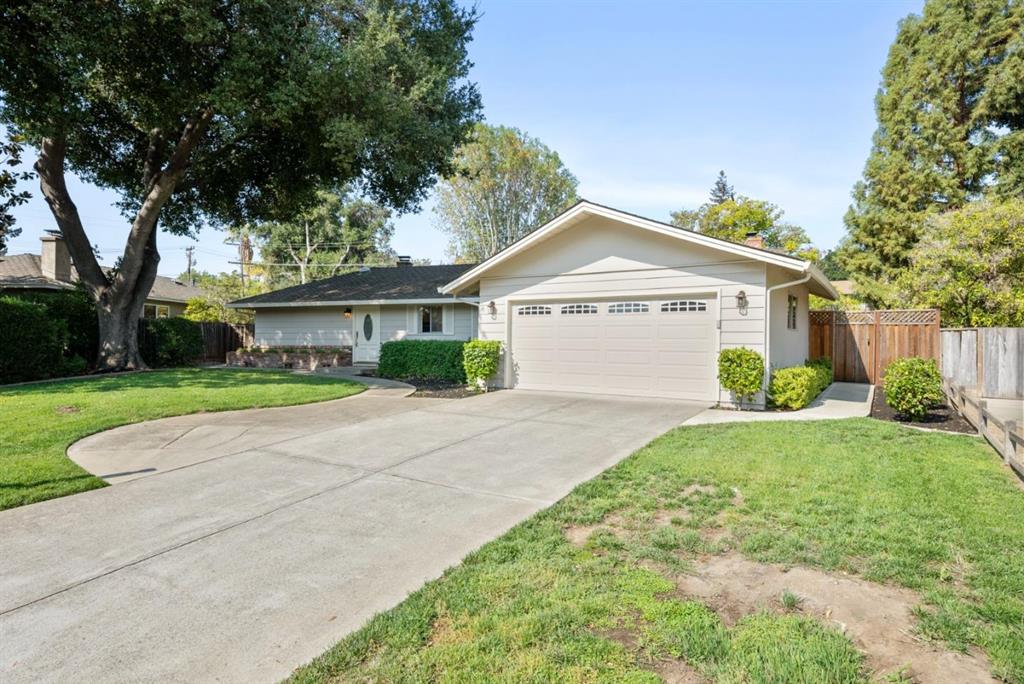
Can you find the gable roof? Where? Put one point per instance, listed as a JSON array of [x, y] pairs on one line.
[[378, 285], [584, 209], [24, 272]]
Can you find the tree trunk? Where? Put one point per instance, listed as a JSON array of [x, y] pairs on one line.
[[120, 296]]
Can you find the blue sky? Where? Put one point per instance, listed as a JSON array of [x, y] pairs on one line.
[[645, 102]]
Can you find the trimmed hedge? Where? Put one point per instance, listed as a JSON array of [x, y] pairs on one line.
[[480, 359], [912, 386], [31, 341], [79, 315], [424, 359], [170, 342], [741, 371], [796, 387]]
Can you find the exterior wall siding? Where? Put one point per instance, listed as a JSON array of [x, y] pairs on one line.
[[788, 347], [328, 327], [577, 265]]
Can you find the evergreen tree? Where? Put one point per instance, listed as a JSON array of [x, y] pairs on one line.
[[721, 191], [950, 110]]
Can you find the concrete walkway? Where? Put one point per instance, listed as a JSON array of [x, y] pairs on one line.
[[263, 537], [839, 400]]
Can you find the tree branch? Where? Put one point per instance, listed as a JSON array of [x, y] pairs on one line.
[[159, 191], [50, 167]]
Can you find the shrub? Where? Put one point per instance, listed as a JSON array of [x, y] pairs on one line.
[[741, 371], [912, 386], [79, 315], [424, 359], [796, 387], [480, 360], [31, 341], [167, 342]]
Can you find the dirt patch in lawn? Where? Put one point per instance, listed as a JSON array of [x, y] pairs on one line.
[[677, 672], [943, 417], [876, 618]]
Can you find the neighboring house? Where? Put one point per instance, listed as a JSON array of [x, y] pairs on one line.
[[596, 300], [52, 270]]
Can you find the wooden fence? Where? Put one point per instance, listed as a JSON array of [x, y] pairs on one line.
[[862, 344], [221, 338], [1005, 436], [989, 361]]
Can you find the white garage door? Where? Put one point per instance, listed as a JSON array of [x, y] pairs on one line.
[[657, 348]]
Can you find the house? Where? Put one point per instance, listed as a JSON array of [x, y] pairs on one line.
[[597, 300], [52, 270]]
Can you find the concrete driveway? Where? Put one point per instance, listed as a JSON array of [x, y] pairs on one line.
[[236, 546]]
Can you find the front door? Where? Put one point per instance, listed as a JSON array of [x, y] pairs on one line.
[[366, 334]]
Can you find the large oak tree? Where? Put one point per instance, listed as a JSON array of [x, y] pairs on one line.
[[226, 112]]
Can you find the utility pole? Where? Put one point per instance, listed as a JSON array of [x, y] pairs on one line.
[[188, 253]]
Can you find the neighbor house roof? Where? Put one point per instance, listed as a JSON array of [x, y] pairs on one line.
[[24, 272], [584, 209], [377, 285]]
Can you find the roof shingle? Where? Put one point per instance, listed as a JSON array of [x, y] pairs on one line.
[[387, 283]]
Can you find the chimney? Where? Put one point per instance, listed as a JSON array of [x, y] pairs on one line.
[[404, 261], [55, 261], [754, 240]]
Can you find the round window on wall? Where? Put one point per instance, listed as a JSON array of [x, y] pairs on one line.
[[368, 327]]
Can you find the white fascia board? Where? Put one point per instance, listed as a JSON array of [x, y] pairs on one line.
[[543, 232], [351, 302]]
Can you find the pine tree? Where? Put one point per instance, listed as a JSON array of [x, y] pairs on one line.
[[721, 191], [950, 109]]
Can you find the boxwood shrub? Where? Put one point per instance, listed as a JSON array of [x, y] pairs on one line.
[[912, 386], [480, 359], [741, 371], [423, 359], [31, 341], [169, 342], [796, 387]]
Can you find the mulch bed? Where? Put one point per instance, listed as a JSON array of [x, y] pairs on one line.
[[940, 418], [439, 389]]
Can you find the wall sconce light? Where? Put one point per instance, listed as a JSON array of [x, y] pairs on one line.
[[741, 300], [348, 312], [492, 308]]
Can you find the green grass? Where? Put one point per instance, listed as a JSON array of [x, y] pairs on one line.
[[38, 422], [936, 513]]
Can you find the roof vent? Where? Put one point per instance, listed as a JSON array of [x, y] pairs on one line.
[[404, 261], [364, 269]]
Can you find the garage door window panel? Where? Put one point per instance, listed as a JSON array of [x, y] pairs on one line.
[[629, 308], [579, 310], [533, 310], [684, 306]]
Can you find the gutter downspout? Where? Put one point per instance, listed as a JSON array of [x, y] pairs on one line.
[[768, 325]]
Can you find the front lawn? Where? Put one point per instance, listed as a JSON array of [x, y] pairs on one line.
[[595, 588], [38, 422]]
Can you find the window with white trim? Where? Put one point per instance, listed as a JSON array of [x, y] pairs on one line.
[[431, 319], [684, 305], [533, 310], [576, 309], [628, 307], [791, 303]]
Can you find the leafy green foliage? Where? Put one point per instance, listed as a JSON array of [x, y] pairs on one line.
[[912, 386], [39, 422], [480, 359], [317, 243], [424, 359], [170, 342], [78, 315], [10, 197], [970, 264], [505, 185], [733, 218], [31, 342], [219, 289], [950, 129], [796, 387], [858, 497], [741, 371]]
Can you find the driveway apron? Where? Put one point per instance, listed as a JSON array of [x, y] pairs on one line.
[[235, 547]]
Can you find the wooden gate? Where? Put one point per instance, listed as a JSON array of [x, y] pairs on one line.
[[862, 344]]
